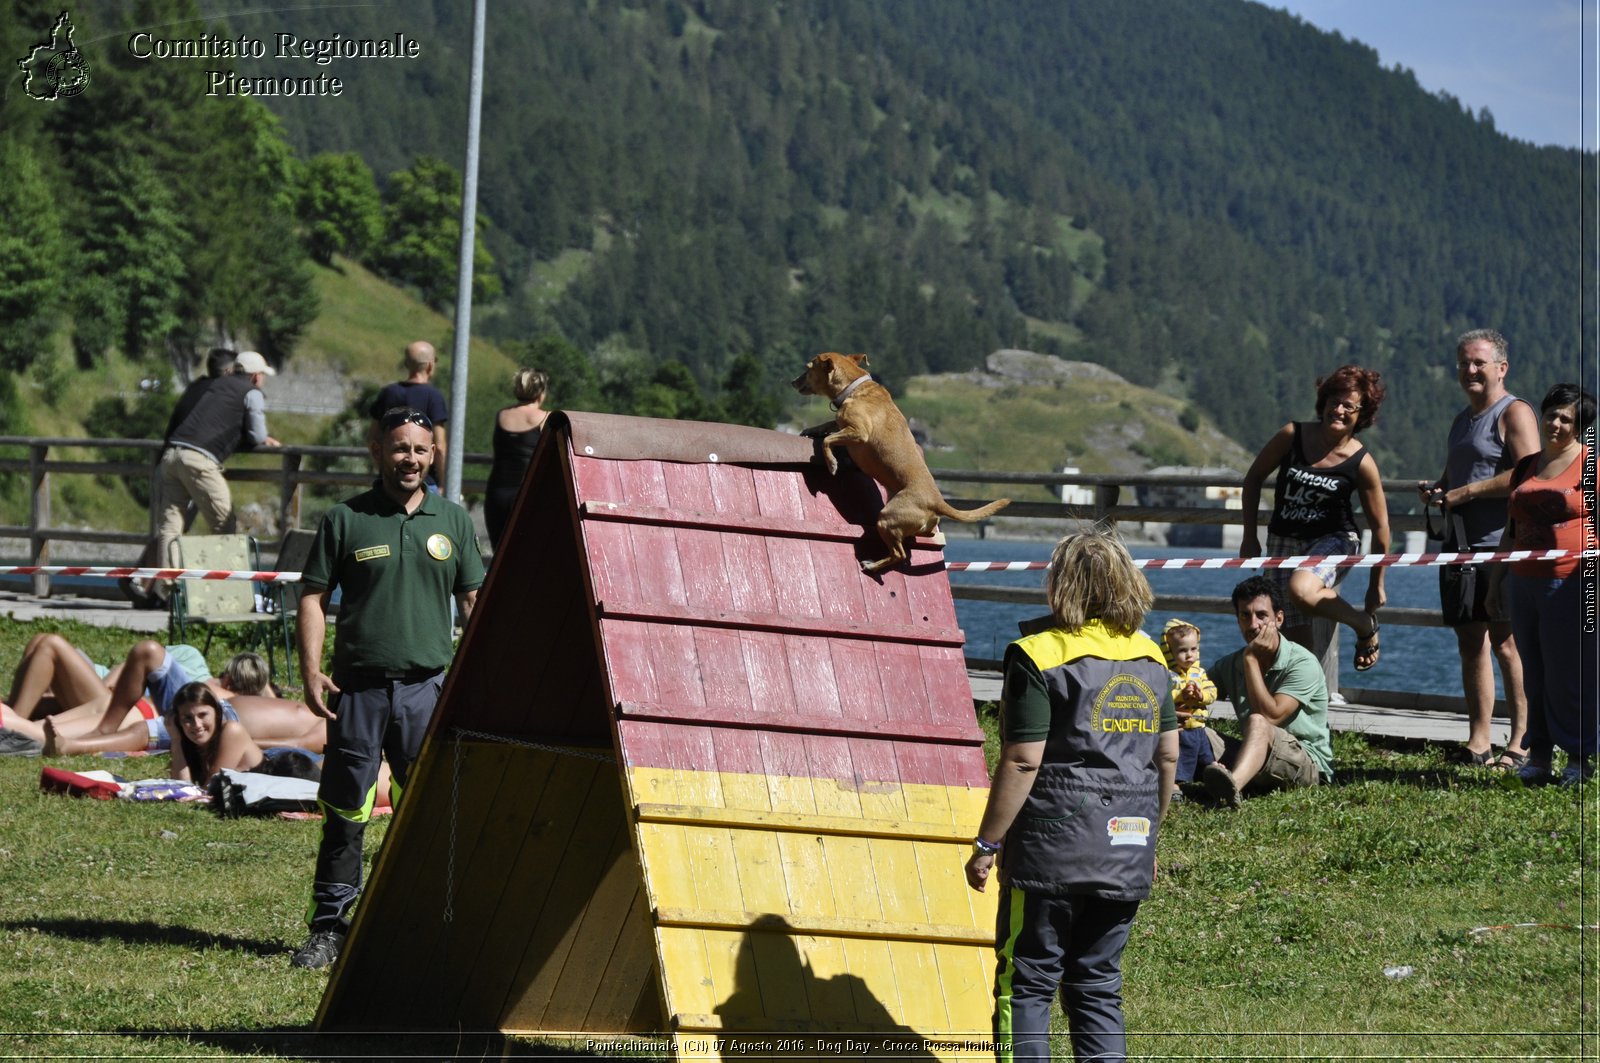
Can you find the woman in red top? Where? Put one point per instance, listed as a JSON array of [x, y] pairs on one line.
[[1551, 508]]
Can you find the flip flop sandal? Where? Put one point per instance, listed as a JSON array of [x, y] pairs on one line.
[[1463, 755], [1369, 649]]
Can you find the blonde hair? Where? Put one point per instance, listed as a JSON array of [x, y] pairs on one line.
[[529, 385], [247, 673], [1092, 577]]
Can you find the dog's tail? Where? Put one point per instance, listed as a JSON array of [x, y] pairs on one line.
[[945, 509]]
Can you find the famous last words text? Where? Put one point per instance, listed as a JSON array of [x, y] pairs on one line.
[[320, 51]]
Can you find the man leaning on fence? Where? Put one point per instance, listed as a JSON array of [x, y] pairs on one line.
[[209, 425], [397, 553]]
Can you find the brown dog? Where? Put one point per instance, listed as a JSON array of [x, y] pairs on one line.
[[874, 431]]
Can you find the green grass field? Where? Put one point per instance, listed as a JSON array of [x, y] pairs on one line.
[[160, 931]]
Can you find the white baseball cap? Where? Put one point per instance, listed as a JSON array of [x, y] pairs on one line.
[[252, 362]]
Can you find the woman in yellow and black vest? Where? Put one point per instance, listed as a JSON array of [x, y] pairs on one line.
[[1088, 756]]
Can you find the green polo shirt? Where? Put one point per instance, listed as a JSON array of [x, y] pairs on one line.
[[396, 572], [1297, 673]]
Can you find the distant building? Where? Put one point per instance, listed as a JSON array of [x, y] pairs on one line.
[[1206, 496]]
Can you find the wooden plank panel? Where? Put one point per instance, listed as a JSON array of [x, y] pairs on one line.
[[860, 683], [899, 882], [661, 611], [794, 577], [721, 654], [788, 786], [688, 485], [779, 494], [410, 892], [744, 780], [657, 568], [532, 879], [604, 1002], [705, 569], [941, 871], [900, 665], [640, 483], [686, 972], [749, 582], [628, 661], [487, 771], [780, 978], [676, 664], [833, 771], [851, 879], [916, 973], [595, 478], [816, 688], [828, 995], [733, 490], [766, 666], [878, 780], [873, 988], [925, 804], [842, 590], [966, 979], [759, 863], [562, 970], [609, 551], [792, 720], [804, 871], [928, 593], [650, 781], [664, 860]]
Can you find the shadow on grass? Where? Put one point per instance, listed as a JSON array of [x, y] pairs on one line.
[[344, 1046], [145, 933]]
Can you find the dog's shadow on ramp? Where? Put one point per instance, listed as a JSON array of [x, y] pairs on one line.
[[145, 933]]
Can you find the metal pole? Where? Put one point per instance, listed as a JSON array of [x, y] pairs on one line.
[[469, 218]]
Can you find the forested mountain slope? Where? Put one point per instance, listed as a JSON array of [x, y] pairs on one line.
[[1212, 195]]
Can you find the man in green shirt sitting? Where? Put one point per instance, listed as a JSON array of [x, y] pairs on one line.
[[1281, 699]]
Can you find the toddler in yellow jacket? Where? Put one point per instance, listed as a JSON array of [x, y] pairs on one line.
[[1192, 692]]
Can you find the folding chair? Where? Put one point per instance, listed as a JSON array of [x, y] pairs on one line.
[[214, 602], [293, 552]]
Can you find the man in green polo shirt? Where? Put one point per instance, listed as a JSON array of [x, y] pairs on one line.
[[1281, 698], [397, 553]]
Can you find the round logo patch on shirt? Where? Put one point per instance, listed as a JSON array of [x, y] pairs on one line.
[[439, 546]]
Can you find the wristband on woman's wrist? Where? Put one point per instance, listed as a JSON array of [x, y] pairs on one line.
[[985, 848]]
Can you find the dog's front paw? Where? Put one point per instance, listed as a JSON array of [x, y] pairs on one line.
[[832, 463]]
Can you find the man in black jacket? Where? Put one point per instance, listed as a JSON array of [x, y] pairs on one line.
[[211, 422]]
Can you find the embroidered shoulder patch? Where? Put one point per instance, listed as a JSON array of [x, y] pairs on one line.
[[371, 552], [439, 546]]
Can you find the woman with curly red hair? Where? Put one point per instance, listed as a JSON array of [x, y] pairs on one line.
[[1320, 469]]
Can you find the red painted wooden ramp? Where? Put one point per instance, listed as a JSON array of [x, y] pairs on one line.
[[692, 772]]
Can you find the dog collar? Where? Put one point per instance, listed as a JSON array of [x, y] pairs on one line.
[[838, 400]]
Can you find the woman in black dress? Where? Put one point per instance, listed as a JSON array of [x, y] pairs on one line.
[[516, 434]]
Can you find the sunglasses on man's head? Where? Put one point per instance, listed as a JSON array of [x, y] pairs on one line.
[[397, 417]]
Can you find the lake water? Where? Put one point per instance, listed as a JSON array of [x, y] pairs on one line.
[[1414, 658]]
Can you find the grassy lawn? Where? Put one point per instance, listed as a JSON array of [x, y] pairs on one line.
[[160, 930]]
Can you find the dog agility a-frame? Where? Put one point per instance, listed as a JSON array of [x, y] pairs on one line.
[[692, 772]]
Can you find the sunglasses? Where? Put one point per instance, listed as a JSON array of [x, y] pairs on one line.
[[404, 415]]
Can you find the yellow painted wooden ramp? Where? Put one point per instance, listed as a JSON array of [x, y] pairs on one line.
[[692, 774]]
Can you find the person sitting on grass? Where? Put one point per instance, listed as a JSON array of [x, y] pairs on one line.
[[208, 742], [1281, 698]]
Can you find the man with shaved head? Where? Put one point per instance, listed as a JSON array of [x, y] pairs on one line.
[[417, 391]]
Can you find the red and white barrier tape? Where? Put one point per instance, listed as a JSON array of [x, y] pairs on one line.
[[148, 573], [1300, 561]]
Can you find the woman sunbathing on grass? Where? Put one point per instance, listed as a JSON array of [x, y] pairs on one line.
[[207, 742], [130, 722]]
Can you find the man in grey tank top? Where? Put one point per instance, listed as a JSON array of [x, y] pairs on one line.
[[1486, 440]]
